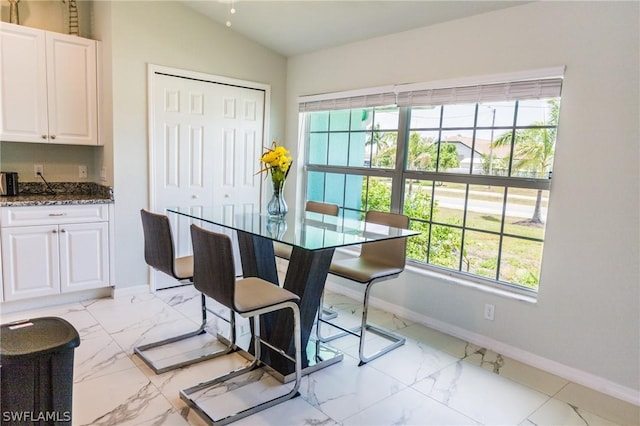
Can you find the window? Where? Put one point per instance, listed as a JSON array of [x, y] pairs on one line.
[[471, 166]]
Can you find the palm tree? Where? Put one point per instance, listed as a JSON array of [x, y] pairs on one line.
[[380, 142], [534, 150]]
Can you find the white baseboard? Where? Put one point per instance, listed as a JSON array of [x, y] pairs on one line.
[[78, 296], [569, 373], [130, 291], [58, 299]]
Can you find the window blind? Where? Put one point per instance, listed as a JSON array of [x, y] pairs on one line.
[[533, 89], [361, 101], [537, 84]]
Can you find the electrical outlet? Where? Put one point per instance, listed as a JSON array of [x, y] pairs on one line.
[[38, 168], [82, 171], [489, 311], [103, 174]]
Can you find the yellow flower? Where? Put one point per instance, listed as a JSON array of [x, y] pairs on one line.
[[284, 163], [277, 160]]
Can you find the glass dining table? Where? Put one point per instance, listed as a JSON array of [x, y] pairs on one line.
[[313, 238]]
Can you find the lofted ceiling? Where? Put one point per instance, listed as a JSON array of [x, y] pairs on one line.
[[295, 27]]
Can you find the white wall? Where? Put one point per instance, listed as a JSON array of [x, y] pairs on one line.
[[163, 33], [586, 316]]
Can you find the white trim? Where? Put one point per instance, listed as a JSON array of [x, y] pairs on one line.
[[152, 68], [569, 373], [55, 300], [486, 286], [130, 291]]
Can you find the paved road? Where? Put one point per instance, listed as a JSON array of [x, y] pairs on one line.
[[486, 206]]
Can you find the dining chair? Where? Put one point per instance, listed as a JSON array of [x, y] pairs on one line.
[[283, 251], [378, 261], [214, 275], [159, 254]]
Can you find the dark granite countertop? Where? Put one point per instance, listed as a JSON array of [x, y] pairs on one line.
[[59, 193]]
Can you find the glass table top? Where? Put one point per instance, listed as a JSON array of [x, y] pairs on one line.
[[311, 231]]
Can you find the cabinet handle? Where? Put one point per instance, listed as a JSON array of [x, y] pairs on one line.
[[63, 230], [43, 136], [57, 214], [53, 136], [54, 231]]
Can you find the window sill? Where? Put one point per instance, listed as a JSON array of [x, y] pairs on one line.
[[476, 285]]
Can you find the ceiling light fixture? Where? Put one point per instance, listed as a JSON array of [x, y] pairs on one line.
[[232, 11]]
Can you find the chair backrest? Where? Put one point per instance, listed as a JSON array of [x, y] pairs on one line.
[[390, 252], [214, 272], [322, 208], [158, 242]]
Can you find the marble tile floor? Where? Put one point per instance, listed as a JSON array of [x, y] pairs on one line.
[[434, 379]]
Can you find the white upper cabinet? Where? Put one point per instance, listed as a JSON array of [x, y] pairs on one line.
[[48, 87]]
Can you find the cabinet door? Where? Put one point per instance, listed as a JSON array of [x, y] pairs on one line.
[[84, 256], [72, 89], [30, 263], [23, 84]]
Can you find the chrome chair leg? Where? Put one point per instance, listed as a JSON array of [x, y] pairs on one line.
[[396, 340], [361, 331], [324, 319], [189, 395], [328, 313], [141, 350]]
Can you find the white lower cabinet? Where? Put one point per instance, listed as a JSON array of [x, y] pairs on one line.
[[51, 250], [84, 256]]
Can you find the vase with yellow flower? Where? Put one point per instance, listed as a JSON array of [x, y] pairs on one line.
[[276, 161]]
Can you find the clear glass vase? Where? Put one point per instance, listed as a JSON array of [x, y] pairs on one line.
[[276, 227], [277, 206]]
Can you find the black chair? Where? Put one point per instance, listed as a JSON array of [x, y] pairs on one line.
[[378, 261], [214, 275], [159, 254]]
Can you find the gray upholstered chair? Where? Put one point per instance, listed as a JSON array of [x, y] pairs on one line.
[[159, 254], [284, 251], [214, 275], [378, 261]]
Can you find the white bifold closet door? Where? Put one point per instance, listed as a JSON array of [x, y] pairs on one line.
[[204, 148]]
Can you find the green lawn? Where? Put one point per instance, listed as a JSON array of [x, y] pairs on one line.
[[520, 258]]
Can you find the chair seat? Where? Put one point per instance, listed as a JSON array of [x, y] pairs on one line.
[[183, 267], [160, 255], [362, 270], [254, 293], [282, 250]]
